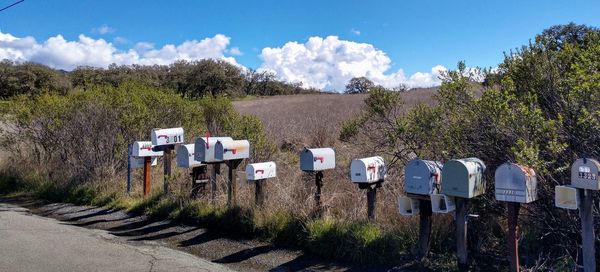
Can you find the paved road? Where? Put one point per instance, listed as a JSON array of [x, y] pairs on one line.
[[32, 243]]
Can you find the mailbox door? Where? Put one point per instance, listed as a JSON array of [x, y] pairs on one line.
[[185, 156], [420, 177], [584, 174], [455, 179]]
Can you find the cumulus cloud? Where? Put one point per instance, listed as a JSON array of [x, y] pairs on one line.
[[355, 32], [104, 29], [235, 51], [329, 63], [57, 52]]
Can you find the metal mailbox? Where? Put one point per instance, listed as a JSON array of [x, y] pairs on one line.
[[138, 162], [185, 156], [263, 170], [167, 136], [204, 150], [144, 149], [584, 174], [317, 159], [566, 197], [442, 203], [408, 206], [515, 183], [368, 170], [422, 177], [232, 150], [463, 178]]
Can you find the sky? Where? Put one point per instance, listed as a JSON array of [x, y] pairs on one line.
[[321, 44]]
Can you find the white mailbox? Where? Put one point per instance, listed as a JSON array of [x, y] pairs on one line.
[[185, 156], [138, 162], [263, 170], [167, 136], [232, 150], [584, 174], [204, 150], [566, 197], [463, 178], [317, 159], [368, 170], [422, 177], [515, 183], [144, 149], [408, 206], [442, 203]]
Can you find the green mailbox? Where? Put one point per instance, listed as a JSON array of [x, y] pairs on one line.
[[463, 178]]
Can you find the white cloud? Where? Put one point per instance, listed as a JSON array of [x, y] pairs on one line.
[[120, 40], [235, 51], [328, 63], [355, 32], [104, 29], [57, 52]]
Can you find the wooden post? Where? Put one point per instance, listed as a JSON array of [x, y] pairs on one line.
[[167, 167], [129, 168], [371, 200], [461, 234], [512, 237], [259, 194], [587, 230], [147, 176], [319, 184], [198, 180], [216, 169], [424, 228], [232, 182]]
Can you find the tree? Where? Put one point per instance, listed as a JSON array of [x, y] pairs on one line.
[[359, 85]]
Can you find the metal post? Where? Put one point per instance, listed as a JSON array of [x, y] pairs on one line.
[[513, 240], [167, 167], [129, 147], [147, 176], [587, 230], [461, 234], [371, 199], [424, 228], [259, 194], [319, 184]]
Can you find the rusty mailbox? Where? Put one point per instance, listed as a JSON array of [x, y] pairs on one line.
[[422, 177], [463, 178], [515, 183], [232, 150]]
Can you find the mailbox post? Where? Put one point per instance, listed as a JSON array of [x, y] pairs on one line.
[[369, 174], [259, 173], [463, 179], [422, 179], [233, 153], [514, 184], [204, 151], [144, 155], [165, 140], [584, 180], [186, 159], [317, 160]]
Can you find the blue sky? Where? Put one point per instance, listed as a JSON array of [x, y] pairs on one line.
[[414, 36]]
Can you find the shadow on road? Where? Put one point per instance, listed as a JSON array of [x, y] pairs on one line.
[[245, 254]]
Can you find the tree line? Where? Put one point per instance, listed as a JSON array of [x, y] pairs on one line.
[[190, 79]]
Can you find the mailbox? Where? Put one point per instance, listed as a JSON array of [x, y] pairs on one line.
[[232, 150], [408, 206], [205, 148], [463, 178], [167, 136], [566, 197], [185, 156], [515, 183], [144, 149], [422, 177], [138, 162], [368, 170], [317, 159], [263, 170], [442, 203], [584, 174]]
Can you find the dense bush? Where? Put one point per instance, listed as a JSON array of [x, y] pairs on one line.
[[539, 109]]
